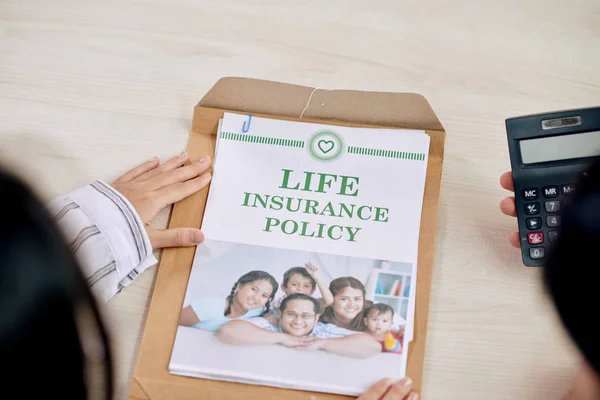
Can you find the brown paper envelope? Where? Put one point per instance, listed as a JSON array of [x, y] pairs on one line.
[[152, 379]]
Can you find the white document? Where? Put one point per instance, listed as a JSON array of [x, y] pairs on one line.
[[383, 194], [337, 208]]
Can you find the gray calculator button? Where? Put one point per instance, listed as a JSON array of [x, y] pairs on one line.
[[553, 236], [537, 253], [552, 206], [553, 221]]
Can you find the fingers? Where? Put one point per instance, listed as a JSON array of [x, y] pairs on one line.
[[177, 237], [385, 390], [172, 194], [401, 390], [179, 175], [508, 206], [377, 391], [514, 239], [506, 181], [304, 341], [137, 171], [169, 165]]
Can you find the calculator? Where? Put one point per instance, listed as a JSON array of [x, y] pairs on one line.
[[549, 154]]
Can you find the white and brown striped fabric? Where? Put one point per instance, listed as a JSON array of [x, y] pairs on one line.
[[106, 235]]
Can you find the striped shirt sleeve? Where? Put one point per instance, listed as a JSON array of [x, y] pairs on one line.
[[106, 235]]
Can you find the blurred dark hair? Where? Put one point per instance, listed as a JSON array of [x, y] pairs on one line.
[[300, 296], [302, 272], [379, 308], [43, 301], [572, 272], [376, 309]]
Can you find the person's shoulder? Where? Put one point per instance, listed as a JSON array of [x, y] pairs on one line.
[[207, 304], [263, 323], [255, 312]]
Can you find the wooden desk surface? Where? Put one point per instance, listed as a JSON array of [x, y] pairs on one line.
[[89, 89]]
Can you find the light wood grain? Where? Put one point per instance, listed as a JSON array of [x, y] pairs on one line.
[[89, 89]]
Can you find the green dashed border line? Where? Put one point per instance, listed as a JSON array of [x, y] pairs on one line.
[[240, 137], [386, 153]]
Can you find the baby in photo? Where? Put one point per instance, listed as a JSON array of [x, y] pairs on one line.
[[378, 320]]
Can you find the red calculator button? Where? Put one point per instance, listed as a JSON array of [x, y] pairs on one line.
[[535, 237]]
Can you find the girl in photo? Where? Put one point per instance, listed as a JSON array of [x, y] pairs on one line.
[[250, 296]]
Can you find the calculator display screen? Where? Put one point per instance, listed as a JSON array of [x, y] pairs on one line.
[[562, 147]]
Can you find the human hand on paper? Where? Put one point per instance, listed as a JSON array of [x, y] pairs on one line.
[[385, 389], [508, 206], [312, 343], [290, 341], [152, 186]]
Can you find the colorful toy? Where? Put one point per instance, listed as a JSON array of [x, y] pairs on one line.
[[391, 344]]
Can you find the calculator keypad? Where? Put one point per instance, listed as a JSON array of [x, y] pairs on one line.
[[542, 224]]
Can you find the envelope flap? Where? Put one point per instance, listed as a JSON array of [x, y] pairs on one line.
[[399, 110]]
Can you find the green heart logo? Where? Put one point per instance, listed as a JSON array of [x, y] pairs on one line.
[[325, 145]]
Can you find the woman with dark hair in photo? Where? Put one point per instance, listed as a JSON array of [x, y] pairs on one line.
[[250, 296], [348, 302]]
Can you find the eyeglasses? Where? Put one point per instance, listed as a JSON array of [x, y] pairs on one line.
[[304, 316]]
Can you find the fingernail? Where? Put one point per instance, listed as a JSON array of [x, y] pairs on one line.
[[387, 382], [198, 237], [407, 382], [153, 159], [413, 396], [204, 159], [182, 154]]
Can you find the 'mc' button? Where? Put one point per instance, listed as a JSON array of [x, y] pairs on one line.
[[530, 194]]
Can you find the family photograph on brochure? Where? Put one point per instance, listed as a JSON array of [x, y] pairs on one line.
[[308, 305]]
